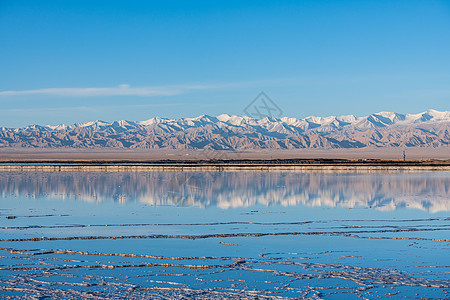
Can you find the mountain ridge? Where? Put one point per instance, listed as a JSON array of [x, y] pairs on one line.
[[240, 133]]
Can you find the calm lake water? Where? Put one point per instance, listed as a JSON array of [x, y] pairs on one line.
[[203, 235]]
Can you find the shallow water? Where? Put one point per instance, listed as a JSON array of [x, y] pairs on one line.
[[210, 235]]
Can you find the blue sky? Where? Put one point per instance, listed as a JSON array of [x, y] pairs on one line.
[[76, 61]]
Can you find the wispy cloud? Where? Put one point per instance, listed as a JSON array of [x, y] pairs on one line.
[[150, 91], [121, 90], [95, 108]]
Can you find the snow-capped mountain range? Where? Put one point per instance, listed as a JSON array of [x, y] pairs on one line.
[[240, 133]]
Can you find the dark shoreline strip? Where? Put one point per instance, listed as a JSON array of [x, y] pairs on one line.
[[214, 223], [233, 168], [228, 235]]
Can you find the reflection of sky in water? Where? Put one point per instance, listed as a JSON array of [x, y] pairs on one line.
[[383, 191], [225, 234]]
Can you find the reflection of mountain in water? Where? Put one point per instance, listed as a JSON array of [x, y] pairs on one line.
[[426, 191]]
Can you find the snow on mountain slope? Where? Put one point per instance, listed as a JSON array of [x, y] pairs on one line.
[[231, 132]]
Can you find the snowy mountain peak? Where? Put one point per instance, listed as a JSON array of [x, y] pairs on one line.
[[429, 128]]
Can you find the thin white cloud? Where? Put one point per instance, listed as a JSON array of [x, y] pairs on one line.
[[121, 90], [84, 108]]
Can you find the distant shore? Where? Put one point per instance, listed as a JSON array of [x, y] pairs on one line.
[[144, 155], [366, 159], [231, 165]]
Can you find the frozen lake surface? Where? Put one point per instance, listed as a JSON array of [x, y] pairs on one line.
[[203, 235]]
